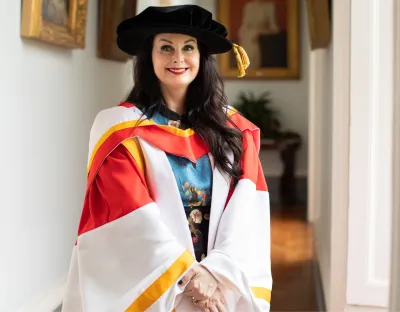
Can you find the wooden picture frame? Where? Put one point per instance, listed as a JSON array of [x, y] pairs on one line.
[[61, 22], [275, 53], [111, 13], [319, 23]]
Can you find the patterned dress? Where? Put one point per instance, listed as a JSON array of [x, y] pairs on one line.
[[194, 181]]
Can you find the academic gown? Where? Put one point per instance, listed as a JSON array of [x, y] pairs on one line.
[[134, 244]]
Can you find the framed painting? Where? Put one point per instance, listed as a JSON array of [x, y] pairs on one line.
[[319, 23], [111, 13], [269, 32], [61, 22]]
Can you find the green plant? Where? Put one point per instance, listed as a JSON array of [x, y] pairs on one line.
[[259, 112]]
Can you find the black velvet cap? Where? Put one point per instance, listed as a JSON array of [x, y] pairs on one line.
[[190, 20]]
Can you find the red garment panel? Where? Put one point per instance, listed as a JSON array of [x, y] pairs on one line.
[[118, 189]]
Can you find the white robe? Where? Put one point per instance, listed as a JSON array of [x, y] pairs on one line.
[[133, 262]]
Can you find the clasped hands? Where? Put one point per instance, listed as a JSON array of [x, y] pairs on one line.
[[202, 289]]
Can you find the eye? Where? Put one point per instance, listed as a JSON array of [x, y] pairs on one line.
[[167, 48], [188, 47]]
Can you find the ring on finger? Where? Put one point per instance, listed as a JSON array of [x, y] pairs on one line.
[[194, 299]]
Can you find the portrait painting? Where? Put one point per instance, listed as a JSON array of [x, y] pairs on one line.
[[268, 30], [111, 13], [61, 22], [55, 11]]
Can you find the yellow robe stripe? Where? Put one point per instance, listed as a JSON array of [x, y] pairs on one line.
[[133, 147], [136, 123], [262, 293], [162, 284]]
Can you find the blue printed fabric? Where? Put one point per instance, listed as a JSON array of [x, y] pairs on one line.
[[194, 181]]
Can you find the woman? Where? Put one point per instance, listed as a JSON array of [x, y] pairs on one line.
[[176, 214]]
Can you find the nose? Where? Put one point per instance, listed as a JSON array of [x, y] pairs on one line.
[[178, 57]]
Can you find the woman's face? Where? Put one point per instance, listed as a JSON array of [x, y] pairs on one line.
[[176, 59]]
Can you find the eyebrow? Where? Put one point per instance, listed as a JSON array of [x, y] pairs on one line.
[[166, 41], [189, 40]]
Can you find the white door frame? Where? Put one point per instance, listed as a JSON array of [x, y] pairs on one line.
[[395, 274], [337, 299], [340, 153], [337, 86]]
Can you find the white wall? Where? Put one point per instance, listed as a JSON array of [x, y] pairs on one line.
[[320, 157], [49, 97], [290, 97], [329, 156], [142, 4]]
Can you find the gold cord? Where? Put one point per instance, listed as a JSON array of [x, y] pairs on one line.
[[242, 59]]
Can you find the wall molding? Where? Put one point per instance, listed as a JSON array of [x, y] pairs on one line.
[[339, 190], [319, 287], [314, 162], [395, 270]]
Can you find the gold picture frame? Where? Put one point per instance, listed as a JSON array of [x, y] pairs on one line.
[[319, 23], [111, 13], [60, 22], [275, 52]]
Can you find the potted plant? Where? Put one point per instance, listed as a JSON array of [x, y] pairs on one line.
[[259, 111]]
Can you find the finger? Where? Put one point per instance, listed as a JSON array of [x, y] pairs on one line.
[[188, 293], [204, 290], [200, 290], [193, 290], [201, 303], [214, 309], [220, 296], [211, 290], [187, 277], [220, 307]]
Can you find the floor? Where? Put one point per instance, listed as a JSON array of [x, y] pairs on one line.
[[293, 264]]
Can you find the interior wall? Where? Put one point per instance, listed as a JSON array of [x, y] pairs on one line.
[[50, 96], [321, 159], [328, 159]]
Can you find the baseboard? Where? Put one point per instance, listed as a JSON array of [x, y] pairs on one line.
[[319, 289], [49, 301], [319, 286]]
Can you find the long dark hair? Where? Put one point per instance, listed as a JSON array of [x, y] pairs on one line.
[[206, 105]]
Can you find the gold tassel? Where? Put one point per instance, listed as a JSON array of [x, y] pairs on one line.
[[242, 60]]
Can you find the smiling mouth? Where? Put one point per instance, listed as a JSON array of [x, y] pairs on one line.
[[177, 71]]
